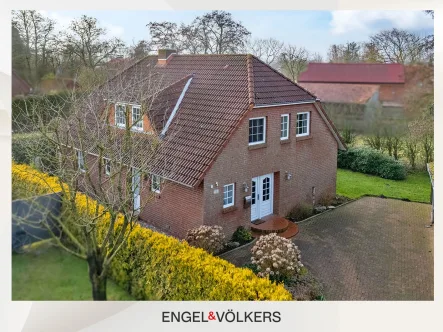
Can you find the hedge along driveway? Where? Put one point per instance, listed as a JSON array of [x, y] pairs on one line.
[[153, 265], [416, 187]]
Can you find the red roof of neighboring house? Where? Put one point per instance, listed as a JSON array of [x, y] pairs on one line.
[[222, 90], [342, 93], [366, 73], [19, 85]]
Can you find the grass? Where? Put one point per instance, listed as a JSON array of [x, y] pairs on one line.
[[49, 273], [416, 187]]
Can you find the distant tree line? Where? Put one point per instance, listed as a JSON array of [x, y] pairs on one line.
[[38, 50]]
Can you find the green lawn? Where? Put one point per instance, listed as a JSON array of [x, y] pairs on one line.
[[416, 187], [49, 273]]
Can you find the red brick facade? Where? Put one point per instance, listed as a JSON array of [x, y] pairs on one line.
[[311, 160]]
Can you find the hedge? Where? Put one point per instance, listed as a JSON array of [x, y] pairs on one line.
[[370, 161], [46, 107], [26, 147], [154, 265]]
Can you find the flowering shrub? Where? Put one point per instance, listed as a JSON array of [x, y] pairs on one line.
[[153, 265], [276, 258], [209, 238]]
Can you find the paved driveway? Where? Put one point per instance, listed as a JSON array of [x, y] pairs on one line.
[[371, 249]]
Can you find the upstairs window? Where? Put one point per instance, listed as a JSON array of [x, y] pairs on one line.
[[284, 126], [228, 195], [303, 124], [257, 131], [120, 117], [81, 161], [155, 183], [137, 121]]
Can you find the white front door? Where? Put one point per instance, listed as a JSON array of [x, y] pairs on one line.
[[262, 196], [136, 182]]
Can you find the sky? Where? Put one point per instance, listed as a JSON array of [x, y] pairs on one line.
[[314, 30]]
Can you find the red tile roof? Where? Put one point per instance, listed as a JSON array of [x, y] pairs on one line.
[[342, 93], [374, 73], [222, 90]]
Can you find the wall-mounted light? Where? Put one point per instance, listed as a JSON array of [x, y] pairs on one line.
[[288, 176], [245, 187]]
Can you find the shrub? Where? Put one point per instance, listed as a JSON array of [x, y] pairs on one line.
[[370, 161], [276, 258], [27, 147], [154, 265], [242, 235], [300, 211], [209, 238], [326, 199], [348, 135]]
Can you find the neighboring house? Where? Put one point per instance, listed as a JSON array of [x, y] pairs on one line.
[[241, 142], [19, 86], [361, 95], [56, 85]]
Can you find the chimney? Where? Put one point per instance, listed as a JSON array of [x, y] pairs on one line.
[[165, 55]]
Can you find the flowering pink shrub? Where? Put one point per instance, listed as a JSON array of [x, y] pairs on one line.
[[209, 238], [276, 258]]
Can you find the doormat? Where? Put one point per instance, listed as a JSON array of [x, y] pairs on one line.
[[258, 221]]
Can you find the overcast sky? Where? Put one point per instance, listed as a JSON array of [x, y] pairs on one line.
[[314, 30]]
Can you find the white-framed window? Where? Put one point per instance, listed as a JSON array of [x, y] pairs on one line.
[[81, 161], [120, 116], [107, 166], [137, 121], [257, 130], [284, 126], [228, 195], [155, 183], [302, 124]]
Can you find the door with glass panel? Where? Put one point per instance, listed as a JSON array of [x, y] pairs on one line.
[[262, 193]]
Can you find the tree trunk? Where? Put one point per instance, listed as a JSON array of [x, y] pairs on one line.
[[98, 282]]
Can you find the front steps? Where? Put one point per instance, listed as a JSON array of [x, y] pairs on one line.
[[275, 224]]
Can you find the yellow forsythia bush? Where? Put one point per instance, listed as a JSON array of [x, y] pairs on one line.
[[151, 265]]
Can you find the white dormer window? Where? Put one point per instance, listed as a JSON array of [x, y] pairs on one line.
[[137, 119], [302, 124], [120, 116]]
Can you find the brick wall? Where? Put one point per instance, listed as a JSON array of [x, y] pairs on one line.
[[175, 210], [311, 160]]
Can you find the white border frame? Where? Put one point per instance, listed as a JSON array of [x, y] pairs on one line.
[[264, 130], [288, 128], [308, 127], [233, 195], [157, 191]]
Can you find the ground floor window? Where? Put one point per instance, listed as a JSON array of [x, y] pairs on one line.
[[228, 195]]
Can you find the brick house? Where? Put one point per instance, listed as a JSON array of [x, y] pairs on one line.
[[248, 142]]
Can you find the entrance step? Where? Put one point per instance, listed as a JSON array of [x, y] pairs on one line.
[[274, 224]]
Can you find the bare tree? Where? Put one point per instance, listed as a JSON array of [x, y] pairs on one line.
[[212, 33], [293, 60], [35, 32], [346, 53], [140, 49], [371, 54], [316, 57], [87, 41], [400, 46], [107, 162], [268, 50]]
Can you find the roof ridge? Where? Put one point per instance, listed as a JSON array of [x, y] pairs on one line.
[[285, 77], [250, 69]]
